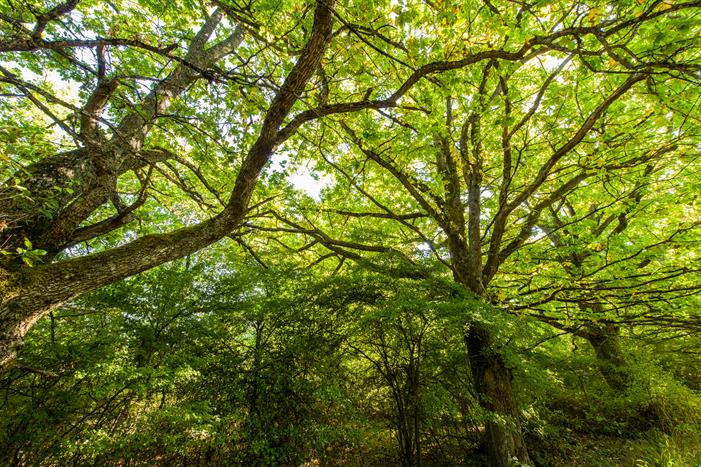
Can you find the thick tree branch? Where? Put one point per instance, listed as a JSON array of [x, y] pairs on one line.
[[28, 296], [502, 215]]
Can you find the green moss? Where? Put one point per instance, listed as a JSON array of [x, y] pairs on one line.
[[8, 287]]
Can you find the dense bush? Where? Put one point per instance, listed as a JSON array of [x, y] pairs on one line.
[[187, 366]]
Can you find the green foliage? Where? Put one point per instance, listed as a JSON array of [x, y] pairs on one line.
[[528, 170], [196, 363], [178, 365], [655, 421]]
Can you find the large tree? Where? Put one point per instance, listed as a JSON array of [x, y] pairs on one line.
[[551, 148], [465, 128], [49, 204]]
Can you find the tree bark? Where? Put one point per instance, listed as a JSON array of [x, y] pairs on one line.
[[493, 384], [504, 439], [606, 342]]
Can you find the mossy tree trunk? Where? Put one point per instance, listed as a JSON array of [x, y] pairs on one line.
[[605, 339]]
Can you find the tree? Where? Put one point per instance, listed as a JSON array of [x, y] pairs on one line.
[[490, 155], [396, 331], [64, 190], [624, 258], [461, 127]]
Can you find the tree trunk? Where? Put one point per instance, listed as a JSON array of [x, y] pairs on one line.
[[504, 439], [60, 179], [605, 340], [609, 356], [492, 380]]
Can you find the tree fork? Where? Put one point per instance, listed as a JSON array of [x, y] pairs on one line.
[[28, 293]]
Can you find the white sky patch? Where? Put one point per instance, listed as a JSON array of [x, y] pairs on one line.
[[424, 250], [551, 62], [65, 89], [537, 234], [301, 178]]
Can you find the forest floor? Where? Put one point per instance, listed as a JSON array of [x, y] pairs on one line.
[[652, 448]]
